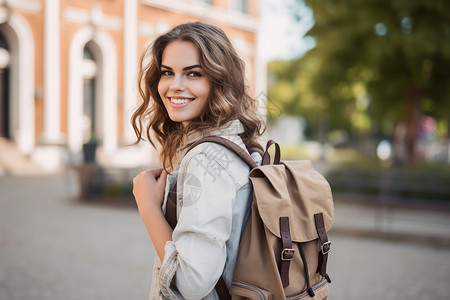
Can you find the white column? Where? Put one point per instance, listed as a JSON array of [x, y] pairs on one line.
[[52, 115], [129, 68], [108, 89], [22, 85]]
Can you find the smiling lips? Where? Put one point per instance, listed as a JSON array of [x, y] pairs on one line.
[[180, 100]]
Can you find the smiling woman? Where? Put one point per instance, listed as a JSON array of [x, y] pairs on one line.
[[192, 87], [184, 86]]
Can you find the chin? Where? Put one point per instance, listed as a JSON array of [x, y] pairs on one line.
[[178, 119]]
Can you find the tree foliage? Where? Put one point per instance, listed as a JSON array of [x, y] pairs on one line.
[[377, 63]]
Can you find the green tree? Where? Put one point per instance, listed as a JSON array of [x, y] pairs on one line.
[[291, 92], [397, 52]]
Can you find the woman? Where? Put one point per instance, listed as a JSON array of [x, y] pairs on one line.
[[194, 86]]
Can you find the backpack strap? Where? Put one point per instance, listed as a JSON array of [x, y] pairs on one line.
[[287, 254], [231, 146], [326, 245], [222, 289], [171, 206], [266, 156]]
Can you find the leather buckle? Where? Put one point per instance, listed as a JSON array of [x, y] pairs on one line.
[[326, 247], [287, 254]]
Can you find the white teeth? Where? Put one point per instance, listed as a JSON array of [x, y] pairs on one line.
[[179, 101]]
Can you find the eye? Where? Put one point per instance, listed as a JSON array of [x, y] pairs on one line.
[[166, 73], [194, 74]]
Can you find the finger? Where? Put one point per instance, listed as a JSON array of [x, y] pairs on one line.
[[156, 172], [163, 177]]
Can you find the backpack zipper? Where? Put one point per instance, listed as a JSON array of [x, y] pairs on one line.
[[305, 293], [249, 287]]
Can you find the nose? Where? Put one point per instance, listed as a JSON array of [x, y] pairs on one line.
[[177, 83]]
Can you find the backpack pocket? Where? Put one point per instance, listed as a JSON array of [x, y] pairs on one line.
[[241, 291], [320, 290], [244, 291]]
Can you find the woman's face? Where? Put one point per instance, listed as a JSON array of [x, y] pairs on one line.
[[184, 86]]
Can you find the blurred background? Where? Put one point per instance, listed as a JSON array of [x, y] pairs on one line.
[[361, 88]]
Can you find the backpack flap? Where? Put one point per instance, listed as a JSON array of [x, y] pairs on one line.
[[292, 189]]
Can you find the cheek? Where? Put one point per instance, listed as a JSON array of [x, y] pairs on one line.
[[203, 88], [162, 88]]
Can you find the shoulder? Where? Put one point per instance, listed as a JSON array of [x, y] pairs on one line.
[[214, 158]]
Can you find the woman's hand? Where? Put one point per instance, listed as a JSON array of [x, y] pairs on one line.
[[148, 189]]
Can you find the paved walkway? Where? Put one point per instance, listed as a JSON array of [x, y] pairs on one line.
[[56, 247], [424, 224]]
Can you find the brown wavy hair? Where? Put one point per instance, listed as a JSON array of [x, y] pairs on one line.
[[228, 99]]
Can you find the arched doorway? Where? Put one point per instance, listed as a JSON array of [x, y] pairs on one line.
[[17, 83], [92, 91], [4, 88]]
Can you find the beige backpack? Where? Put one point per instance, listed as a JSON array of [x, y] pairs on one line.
[[284, 249]]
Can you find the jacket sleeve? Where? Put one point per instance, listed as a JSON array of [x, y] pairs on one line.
[[197, 254]]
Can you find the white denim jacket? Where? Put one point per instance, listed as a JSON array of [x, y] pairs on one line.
[[213, 195]]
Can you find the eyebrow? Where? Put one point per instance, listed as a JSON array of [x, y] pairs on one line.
[[184, 69]]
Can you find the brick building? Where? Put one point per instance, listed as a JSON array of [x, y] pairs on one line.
[[68, 67]]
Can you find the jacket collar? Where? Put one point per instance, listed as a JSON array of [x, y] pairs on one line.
[[229, 131]]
